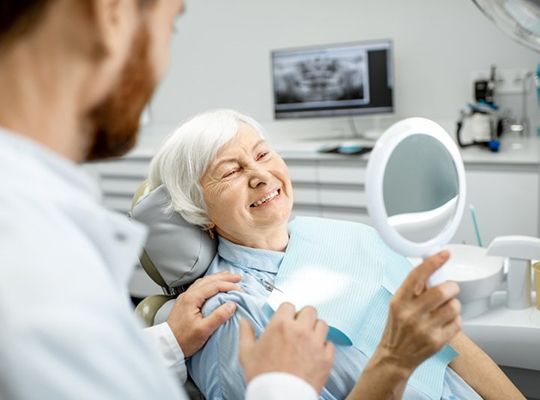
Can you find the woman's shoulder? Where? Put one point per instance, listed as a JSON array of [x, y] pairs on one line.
[[248, 298]]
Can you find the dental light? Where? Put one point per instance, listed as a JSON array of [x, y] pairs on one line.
[[520, 19]]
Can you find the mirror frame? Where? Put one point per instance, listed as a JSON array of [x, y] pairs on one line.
[[378, 159]]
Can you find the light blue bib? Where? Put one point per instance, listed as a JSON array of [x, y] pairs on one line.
[[348, 273]]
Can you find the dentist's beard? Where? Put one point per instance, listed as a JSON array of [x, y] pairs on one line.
[[114, 123]]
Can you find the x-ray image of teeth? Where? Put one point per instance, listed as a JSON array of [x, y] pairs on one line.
[[321, 77]]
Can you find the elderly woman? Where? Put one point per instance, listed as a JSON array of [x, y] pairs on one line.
[[223, 176]]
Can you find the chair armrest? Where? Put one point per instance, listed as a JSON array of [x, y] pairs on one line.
[[149, 306]]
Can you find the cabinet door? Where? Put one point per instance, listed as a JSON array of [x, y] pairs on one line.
[[506, 202], [352, 173], [119, 180], [343, 196], [341, 186]]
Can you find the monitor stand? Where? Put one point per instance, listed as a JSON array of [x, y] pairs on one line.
[[370, 135]]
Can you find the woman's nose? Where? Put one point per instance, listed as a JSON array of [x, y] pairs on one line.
[[258, 177]]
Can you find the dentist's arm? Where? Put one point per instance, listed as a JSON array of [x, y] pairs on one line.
[[420, 322], [186, 331]]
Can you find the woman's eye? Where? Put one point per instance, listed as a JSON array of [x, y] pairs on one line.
[[230, 173], [263, 155]]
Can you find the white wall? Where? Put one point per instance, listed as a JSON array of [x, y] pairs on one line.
[[221, 55]]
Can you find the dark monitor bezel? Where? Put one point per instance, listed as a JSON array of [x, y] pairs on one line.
[[336, 112]]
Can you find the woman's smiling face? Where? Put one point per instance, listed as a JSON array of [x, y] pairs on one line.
[[247, 188]]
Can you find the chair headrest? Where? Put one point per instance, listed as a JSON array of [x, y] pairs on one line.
[[176, 252]]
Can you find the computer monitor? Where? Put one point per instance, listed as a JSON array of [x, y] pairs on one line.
[[333, 80]]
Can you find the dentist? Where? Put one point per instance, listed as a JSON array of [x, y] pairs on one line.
[[74, 79]]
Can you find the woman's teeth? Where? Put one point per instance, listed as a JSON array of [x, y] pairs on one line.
[[265, 199]]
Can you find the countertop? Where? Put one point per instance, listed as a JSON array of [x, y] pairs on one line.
[[514, 151], [518, 151]]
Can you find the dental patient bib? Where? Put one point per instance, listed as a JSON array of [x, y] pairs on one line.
[[349, 275]]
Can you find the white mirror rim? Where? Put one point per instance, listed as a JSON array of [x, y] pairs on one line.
[[378, 160]]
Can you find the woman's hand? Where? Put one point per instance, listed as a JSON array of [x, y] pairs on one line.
[[294, 343], [420, 321]]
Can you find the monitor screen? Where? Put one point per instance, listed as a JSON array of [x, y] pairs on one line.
[[340, 79]]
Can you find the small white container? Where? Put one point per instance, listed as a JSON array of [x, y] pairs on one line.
[[478, 277]]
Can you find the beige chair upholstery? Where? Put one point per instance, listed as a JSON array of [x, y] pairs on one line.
[[149, 307]]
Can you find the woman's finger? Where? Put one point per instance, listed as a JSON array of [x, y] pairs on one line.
[[450, 330], [445, 314], [436, 296], [220, 276], [202, 293], [419, 276]]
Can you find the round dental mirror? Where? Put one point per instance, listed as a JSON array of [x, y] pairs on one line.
[[416, 188]]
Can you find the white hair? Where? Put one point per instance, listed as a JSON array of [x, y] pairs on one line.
[[186, 155]]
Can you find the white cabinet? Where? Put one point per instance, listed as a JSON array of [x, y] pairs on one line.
[[329, 186], [506, 196], [119, 179], [506, 202]]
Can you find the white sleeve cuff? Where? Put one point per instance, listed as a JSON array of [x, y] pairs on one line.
[[170, 350], [279, 385]]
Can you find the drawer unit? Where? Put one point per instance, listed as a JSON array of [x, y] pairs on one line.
[[306, 194], [346, 172], [302, 171], [337, 184], [119, 180], [124, 167], [123, 186], [342, 196]]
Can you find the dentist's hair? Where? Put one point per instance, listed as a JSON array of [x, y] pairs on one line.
[[20, 18], [185, 156]]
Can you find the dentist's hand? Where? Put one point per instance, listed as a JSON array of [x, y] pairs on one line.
[[292, 343], [187, 323], [421, 319]]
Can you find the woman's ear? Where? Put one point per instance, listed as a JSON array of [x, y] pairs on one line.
[[210, 228]]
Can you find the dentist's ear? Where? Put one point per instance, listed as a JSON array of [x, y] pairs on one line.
[[115, 22]]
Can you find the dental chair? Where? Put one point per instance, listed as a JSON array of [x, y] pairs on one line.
[[175, 255]]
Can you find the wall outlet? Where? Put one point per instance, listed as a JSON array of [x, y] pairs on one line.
[[507, 81]]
